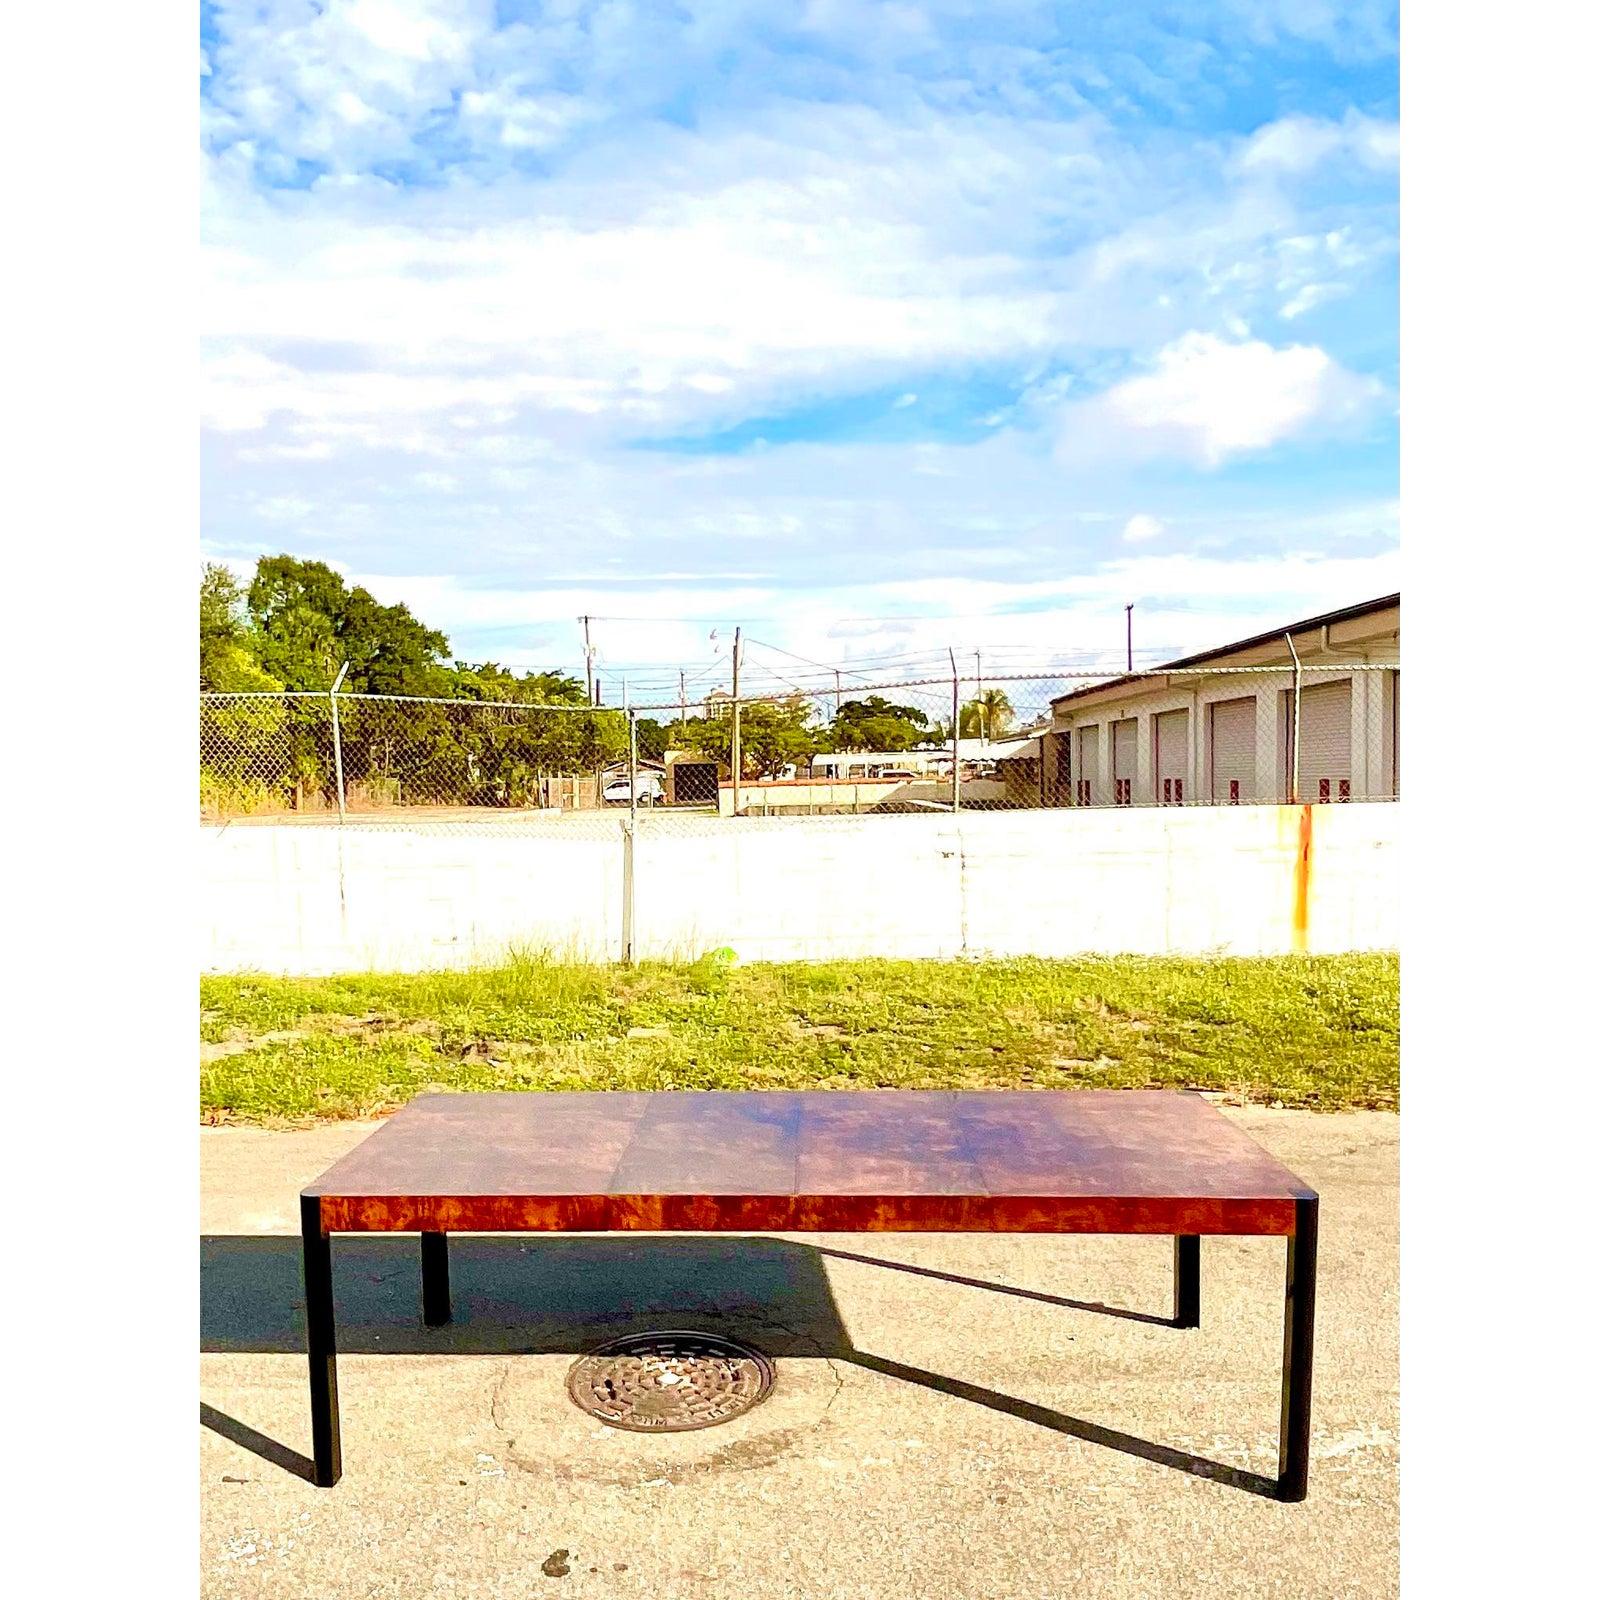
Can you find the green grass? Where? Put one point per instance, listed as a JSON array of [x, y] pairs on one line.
[[1317, 1031]]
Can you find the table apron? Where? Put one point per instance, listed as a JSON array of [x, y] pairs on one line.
[[831, 1213]]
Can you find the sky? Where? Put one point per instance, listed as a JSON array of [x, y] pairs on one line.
[[877, 329]]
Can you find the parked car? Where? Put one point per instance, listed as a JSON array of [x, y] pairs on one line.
[[646, 787]]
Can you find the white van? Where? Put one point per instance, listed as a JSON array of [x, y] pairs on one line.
[[646, 787]]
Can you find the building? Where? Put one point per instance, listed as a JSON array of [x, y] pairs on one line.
[[1016, 761], [1199, 730], [838, 766]]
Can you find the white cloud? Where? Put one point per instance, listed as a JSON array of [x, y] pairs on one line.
[[722, 275], [345, 82], [1140, 528], [451, 368], [1296, 144], [285, 508], [1348, 28], [513, 114], [1208, 400], [719, 273], [1307, 297]]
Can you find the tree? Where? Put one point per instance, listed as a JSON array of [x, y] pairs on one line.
[[292, 628], [770, 737], [294, 608], [227, 662], [308, 623], [988, 716], [493, 682], [653, 738], [876, 724], [389, 651]]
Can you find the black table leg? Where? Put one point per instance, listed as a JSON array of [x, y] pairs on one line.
[[1299, 1314], [435, 1279], [1186, 1281], [320, 1346]]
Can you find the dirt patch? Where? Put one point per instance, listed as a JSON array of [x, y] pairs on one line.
[[217, 1049], [373, 1023]]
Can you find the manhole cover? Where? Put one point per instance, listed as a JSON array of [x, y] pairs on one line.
[[669, 1382]]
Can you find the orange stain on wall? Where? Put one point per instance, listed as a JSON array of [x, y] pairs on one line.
[[1301, 920]]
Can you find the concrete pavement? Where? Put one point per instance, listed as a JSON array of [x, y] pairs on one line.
[[952, 1417]]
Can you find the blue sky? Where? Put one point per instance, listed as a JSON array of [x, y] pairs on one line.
[[877, 328]]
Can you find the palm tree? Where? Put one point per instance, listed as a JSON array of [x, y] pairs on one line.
[[988, 716]]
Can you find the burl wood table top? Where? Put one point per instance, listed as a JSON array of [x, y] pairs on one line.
[[1092, 1161]]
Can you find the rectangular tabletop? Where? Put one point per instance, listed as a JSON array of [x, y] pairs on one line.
[[1022, 1161]]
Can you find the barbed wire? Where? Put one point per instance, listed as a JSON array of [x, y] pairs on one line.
[[207, 695], [1069, 675]]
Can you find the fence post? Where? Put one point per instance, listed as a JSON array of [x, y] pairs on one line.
[[629, 838], [627, 894], [1294, 747], [736, 752], [338, 751], [955, 735]]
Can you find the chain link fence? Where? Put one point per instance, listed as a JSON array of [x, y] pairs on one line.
[[374, 758], [1323, 733]]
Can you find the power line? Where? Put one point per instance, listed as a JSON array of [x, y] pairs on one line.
[[822, 666]]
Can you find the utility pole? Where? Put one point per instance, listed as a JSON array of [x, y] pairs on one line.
[[1129, 609], [838, 695], [683, 703], [983, 721], [588, 663], [735, 763]]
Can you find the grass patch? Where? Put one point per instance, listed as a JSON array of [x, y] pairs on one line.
[[1317, 1031]]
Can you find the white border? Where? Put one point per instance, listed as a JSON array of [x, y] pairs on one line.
[[101, 521], [1498, 1063]]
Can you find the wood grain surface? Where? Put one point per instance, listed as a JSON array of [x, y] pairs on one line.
[[1024, 1161]]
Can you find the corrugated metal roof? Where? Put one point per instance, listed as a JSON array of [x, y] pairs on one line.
[[1325, 619]]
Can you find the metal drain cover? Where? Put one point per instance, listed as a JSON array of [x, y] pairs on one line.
[[669, 1382]]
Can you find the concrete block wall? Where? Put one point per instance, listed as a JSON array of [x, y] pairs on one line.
[[1247, 880]]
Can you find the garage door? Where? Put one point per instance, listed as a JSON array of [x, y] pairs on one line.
[[1088, 789], [1325, 741], [1124, 759], [1172, 756], [1233, 751]]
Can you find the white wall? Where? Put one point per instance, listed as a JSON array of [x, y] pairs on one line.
[[413, 897], [1054, 882]]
